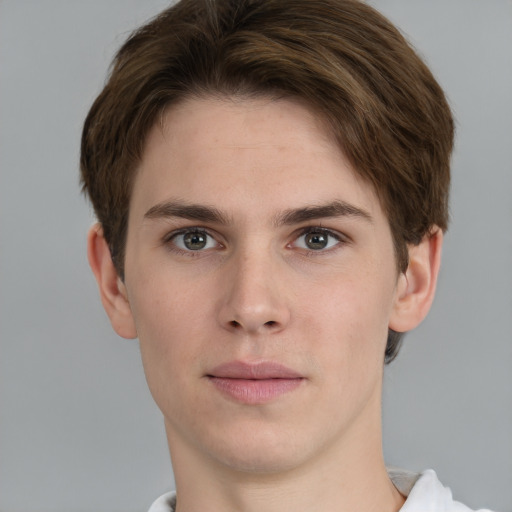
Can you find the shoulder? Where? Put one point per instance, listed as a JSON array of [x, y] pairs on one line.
[[425, 493]]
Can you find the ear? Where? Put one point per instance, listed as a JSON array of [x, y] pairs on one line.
[[112, 289], [416, 287]]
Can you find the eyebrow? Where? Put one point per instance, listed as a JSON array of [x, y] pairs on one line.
[[205, 213], [332, 209], [201, 213]]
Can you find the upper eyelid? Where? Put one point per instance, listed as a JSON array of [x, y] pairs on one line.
[[322, 229], [339, 237], [192, 229]]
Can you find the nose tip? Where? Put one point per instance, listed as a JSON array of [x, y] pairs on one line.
[[253, 302]]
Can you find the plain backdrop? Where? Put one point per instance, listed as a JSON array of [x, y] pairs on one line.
[[79, 430]]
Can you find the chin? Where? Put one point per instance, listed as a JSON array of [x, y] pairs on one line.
[[263, 452]]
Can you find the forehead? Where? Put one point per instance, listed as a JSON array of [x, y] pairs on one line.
[[238, 151]]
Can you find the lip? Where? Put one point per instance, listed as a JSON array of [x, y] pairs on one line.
[[254, 383]]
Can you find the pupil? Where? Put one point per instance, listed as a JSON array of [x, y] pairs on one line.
[[316, 241], [194, 241]]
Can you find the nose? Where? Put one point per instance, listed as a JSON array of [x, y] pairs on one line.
[[253, 301]]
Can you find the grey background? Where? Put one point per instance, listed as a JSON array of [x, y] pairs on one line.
[[79, 431]]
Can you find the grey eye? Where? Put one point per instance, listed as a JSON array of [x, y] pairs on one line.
[[317, 240], [194, 241]]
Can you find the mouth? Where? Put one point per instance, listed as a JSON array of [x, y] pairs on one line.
[[254, 383]]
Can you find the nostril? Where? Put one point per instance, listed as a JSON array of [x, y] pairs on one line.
[[237, 325]]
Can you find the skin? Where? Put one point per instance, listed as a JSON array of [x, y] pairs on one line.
[[259, 291]]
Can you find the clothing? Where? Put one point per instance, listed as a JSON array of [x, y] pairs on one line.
[[424, 493]]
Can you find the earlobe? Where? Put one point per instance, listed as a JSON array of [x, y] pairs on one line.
[[112, 289], [416, 287]]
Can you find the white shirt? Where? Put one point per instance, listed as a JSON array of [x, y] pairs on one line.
[[424, 493]]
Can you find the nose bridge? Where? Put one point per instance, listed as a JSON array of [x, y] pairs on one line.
[[254, 300]]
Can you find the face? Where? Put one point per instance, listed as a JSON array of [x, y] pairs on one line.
[[261, 277]]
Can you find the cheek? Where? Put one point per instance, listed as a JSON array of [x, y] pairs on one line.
[[347, 320], [349, 303], [346, 330], [164, 305], [169, 322]]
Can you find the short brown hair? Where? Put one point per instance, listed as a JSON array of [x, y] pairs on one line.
[[341, 57]]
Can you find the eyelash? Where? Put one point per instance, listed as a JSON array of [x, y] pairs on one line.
[[169, 240]]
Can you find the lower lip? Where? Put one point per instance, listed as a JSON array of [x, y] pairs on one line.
[[257, 391]]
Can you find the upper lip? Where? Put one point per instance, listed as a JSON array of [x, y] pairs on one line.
[[253, 371]]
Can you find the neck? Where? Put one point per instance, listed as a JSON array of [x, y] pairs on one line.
[[346, 476]]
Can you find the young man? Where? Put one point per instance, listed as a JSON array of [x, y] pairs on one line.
[[271, 183]]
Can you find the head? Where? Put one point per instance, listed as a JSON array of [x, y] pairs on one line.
[[340, 58], [270, 179]]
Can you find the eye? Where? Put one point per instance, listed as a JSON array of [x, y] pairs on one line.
[[193, 240], [317, 239]]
